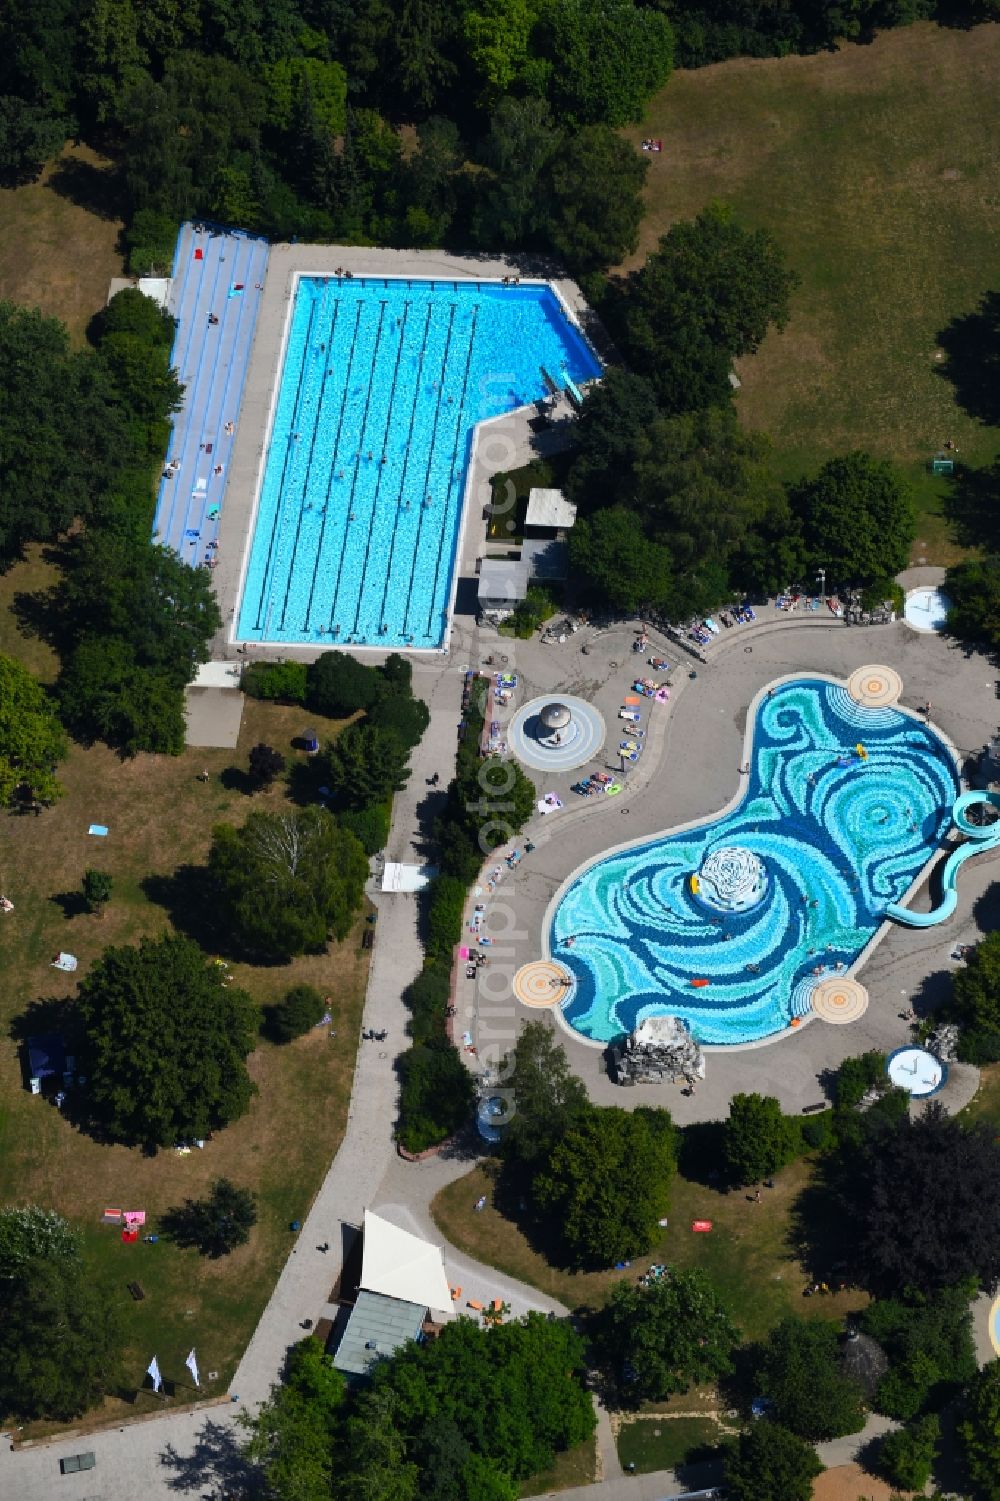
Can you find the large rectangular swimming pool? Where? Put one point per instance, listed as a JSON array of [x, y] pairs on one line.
[[357, 522]]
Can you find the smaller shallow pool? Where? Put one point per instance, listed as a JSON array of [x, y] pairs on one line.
[[926, 609]]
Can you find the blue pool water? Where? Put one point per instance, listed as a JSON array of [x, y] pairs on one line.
[[831, 852], [360, 507]]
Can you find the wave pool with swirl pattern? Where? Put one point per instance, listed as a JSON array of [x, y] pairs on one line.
[[840, 837]]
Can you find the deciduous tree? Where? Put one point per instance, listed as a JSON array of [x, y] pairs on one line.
[[605, 1183], [608, 58], [287, 882], [758, 1139], [800, 1372], [617, 563], [768, 1461], [664, 1337], [32, 741], [514, 1392], [975, 1002], [59, 1341], [707, 296], [293, 1433], [299, 1010], [857, 519], [979, 1432], [163, 1043], [949, 1169], [97, 887], [216, 1224], [973, 589], [29, 1233], [265, 764]]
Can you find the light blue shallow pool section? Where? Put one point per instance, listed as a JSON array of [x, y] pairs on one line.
[[840, 837], [222, 275], [980, 837], [359, 513]]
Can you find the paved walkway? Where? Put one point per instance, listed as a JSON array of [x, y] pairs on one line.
[[196, 1453]]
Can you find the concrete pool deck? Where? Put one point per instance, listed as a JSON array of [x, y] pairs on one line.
[[690, 770], [502, 443]]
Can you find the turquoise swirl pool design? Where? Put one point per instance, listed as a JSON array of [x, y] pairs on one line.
[[839, 837]]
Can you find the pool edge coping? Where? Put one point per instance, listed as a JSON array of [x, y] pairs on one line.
[[289, 290]]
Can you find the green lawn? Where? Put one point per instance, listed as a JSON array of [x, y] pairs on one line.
[[875, 168], [59, 239], [986, 1103], [576, 1466], [661, 1443], [160, 816], [747, 1254]]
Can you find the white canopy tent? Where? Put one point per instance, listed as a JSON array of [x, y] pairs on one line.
[[400, 1265]]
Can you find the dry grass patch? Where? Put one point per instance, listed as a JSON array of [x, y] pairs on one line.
[[59, 239], [875, 169], [748, 1253], [160, 816]]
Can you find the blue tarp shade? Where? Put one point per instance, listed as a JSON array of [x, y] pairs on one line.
[[46, 1056]]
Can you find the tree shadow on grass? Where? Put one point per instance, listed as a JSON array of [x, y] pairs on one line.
[[47, 1015], [972, 505], [820, 1233], [189, 897], [235, 779], [700, 1148], [71, 903], [99, 190], [216, 1468], [972, 345]]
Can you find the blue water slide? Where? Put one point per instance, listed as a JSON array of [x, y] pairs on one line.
[[980, 837]]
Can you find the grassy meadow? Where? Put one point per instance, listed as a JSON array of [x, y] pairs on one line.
[[876, 169], [160, 815]]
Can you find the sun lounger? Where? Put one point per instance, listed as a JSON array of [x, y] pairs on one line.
[[474, 1303]]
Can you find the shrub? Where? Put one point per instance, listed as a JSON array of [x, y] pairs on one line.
[[150, 239], [907, 1455], [758, 1139], [817, 1131], [278, 682], [436, 1096], [444, 916], [856, 1076], [427, 998], [338, 684], [296, 1013], [369, 825], [406, 717]]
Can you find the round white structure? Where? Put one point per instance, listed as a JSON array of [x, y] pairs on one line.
[[917, 1071], [731, 879], [926, 609]]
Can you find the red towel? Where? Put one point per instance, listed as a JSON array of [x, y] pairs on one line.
[[199, 255], [237, 286]]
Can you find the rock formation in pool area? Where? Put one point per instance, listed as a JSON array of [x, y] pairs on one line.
[[661, 1047]]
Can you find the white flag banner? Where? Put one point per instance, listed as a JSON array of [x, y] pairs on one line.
[[153, 1371], [192, 1365]]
